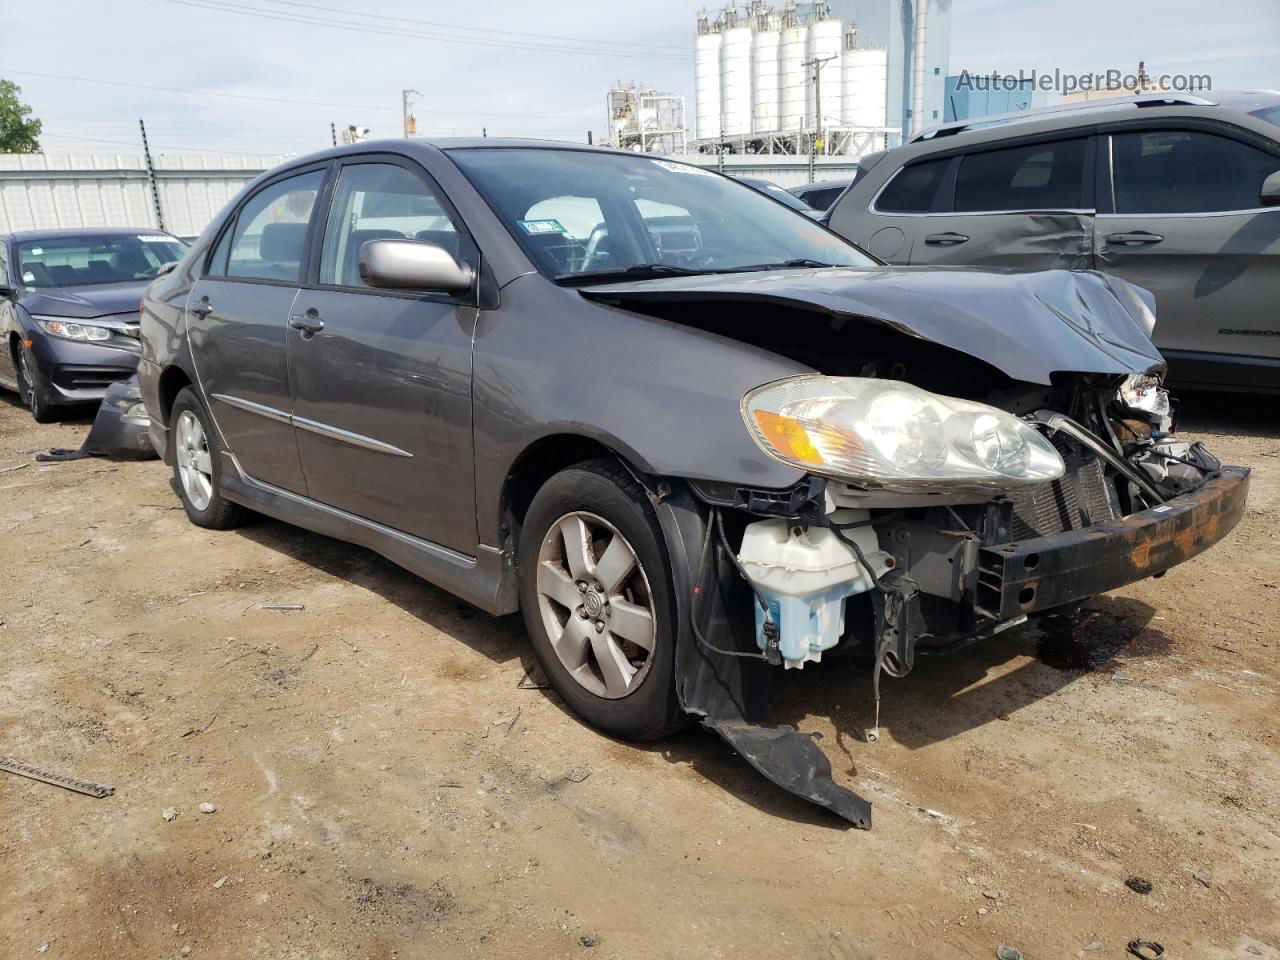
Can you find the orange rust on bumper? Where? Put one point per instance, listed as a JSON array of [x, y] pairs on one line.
[[1047, 572]]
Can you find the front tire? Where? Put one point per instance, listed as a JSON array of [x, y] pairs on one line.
[[197, 465], [596, 594], [33, 388]]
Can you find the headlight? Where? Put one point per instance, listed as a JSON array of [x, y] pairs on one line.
[[73, 329], [1142, 393], [890, 433]]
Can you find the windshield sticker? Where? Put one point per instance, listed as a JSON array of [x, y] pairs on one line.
[[28, 277], [37, 251], [156, 239], [683, 168], [538, 227]]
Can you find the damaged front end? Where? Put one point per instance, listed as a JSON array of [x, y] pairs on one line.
[[1085, 490], [973, 448]]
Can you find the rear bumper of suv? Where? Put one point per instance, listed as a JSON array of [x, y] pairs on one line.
[[1047, 572]]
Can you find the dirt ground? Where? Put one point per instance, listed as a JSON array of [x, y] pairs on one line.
[[384, 788]]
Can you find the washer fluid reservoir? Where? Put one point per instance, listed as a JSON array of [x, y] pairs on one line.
[[805, 576]]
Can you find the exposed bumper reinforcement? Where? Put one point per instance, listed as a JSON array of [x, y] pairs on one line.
[[1046, 572]]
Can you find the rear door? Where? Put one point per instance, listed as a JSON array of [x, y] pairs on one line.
[[382, 379], [1182, 219], [1028, 206], [237, 321]]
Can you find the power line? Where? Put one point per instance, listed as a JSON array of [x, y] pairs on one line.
[[451, 26], [198, 93], [315, 103], [223, 6], [136, 145]]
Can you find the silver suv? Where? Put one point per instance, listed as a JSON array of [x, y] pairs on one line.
[[1180, 195]]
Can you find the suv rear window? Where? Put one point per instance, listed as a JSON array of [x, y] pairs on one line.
[[913, 188], [1185, 171], [1044, 176]]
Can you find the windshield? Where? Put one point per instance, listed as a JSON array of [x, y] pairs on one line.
[[583, 214], [82, 261], [775, 191]]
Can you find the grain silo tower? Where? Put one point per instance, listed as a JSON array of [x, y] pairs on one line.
[[706, 78], [765, 50]]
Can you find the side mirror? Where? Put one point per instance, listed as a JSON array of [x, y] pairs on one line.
[[166, 268], [412, 265], [1270, 191]]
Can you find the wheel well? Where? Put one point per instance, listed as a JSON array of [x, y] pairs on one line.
[[172, 380], [538, 464]]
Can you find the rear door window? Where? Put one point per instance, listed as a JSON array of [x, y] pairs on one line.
[[271, 231], [1043, 176], [913, 188], [1186, 171]]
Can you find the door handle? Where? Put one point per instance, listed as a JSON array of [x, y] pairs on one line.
[[1138, 238], [203, 308], [945, 239], [309, 323]]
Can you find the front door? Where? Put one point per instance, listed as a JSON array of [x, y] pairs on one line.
[[1187, 225], [1027, 206], [382, 379], [237, 319]]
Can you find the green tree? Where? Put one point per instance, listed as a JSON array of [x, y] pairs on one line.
[[18, 132]]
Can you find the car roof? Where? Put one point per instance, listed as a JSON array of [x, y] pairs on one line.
[[26, 235], [1089, 112]]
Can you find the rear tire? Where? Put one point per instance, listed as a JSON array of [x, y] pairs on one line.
[[33, 387], [197, 465], [596, 595]]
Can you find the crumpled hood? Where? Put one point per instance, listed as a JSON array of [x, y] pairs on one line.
[[85, 303], [1027, 325]]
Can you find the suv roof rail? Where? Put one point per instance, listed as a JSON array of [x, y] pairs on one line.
[[1083, 106]]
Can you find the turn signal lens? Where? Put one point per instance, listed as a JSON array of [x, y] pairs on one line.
[[788, 437]]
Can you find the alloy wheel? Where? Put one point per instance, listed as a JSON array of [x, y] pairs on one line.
[[596, 606], [195, 466]]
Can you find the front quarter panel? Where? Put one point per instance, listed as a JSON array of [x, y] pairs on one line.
[[665, 397]]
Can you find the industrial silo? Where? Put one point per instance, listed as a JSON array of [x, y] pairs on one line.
[[765, 49], [865, 82], [706, 80], [735, 82], [823, 44], [791, 75]]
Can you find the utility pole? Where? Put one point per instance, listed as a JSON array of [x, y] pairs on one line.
[[410, 122], [818, 142], [151, 174]]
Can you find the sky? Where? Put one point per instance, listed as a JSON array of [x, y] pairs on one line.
[[269, 76]]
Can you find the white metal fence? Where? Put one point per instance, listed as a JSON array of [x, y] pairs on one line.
[[42, 191]]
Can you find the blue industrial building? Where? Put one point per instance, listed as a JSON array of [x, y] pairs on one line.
[[968, 97]]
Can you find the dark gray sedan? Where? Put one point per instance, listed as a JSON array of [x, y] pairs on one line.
[[694, 436], [69, 310]]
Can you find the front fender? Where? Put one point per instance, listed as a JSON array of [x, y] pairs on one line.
[[666, 397]]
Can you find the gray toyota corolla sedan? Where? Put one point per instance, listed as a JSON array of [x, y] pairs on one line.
[[694, 436], [69, 310]]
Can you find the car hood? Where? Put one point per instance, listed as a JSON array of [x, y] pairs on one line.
[[1027, 325], [98, 300]]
